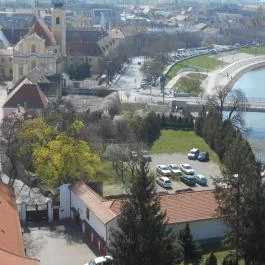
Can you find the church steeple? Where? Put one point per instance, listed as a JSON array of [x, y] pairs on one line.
[[59, 24]]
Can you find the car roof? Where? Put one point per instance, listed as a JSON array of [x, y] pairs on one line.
[[200, 176], [186, 165], [189, 176], [194, 150], [203, 153], [164, 178], [102, 258], [162, 165], [175, 165]]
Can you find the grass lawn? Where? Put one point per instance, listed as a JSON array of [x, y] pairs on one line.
[[203, 62], [172, 141], [106, 174], [260, 50]]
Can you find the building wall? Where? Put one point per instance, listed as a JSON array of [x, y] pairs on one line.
[[31, 52], [74, 61], [93, 220], [201, 230], [6, 65]]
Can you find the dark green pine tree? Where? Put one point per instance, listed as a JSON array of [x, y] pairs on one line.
[[191, 249], [141, 237], [211, 260]]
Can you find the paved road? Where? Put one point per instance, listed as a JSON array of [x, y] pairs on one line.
[[61, 244]]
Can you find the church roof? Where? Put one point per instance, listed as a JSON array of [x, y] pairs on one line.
[[26, 93], [42, 30]]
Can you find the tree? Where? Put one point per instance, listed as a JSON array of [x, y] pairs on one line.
[[80, 72], [9, 145], [230, 259], [64, 160], [141, 236], [211, 260], [235, 99], [191, 249]]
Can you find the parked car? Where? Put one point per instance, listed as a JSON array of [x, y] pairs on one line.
[[203, 156], [146, 155], [133, 155], [193, 153], [163, 170], [186, 169], [188, 180], [165, 182], [200, 179], [103, 260], [174, 168]]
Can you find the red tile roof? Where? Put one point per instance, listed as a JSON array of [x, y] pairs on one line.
[[7, 258], [179, 207], [11, 242], [26, 93], [96, 203], [184, 207], [42, 30]]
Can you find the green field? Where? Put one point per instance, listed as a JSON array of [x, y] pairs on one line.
[[190, 83], [172, 141], [201, 62], [260, 50]]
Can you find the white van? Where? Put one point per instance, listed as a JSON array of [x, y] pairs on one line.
[[103, 260]]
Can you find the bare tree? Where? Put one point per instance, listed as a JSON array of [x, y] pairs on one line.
[[9, 147], [234, 102]]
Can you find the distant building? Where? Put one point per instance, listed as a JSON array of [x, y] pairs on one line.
[[42, 46]]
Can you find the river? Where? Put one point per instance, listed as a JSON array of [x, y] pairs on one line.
[[253, 84]]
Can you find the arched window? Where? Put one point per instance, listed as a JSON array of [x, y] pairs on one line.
[[33, 48]]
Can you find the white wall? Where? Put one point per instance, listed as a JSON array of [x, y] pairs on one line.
[[205, 229], [93, 221], [64, 211]]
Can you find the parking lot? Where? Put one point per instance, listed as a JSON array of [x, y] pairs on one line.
[[208, 169]]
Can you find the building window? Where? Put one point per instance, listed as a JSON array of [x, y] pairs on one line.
[[57, 21], [33, 48], [87, 213], [2, 59], [10, 70], [10, 59], [90, 59], [21, 70]]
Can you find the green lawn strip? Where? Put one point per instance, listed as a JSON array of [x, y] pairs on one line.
[[187, 85], [260, 50], [106, 173], [199, 76], [203, 62], [172, 141]]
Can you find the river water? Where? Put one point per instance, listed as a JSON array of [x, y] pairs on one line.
[[253, 84]]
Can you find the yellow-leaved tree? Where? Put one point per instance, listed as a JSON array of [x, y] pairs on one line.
[[55, 157], [65, 160]]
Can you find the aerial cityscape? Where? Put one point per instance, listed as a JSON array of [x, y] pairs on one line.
[[132, 132]]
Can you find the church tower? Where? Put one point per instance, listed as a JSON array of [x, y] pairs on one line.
[[59, 24]]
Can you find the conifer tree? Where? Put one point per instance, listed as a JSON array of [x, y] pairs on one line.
[[191, 248], [141, 236], [211, 260]]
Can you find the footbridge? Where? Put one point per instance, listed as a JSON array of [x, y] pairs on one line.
[[195, 104]]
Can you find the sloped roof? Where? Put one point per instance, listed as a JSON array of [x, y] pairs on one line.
[[179, 207], [26, 93], [96, 203], [10, 234], [11, 242], [80, 48], [85, 35], [8, 258], [42, 30], [183, 207], [14, 35]]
